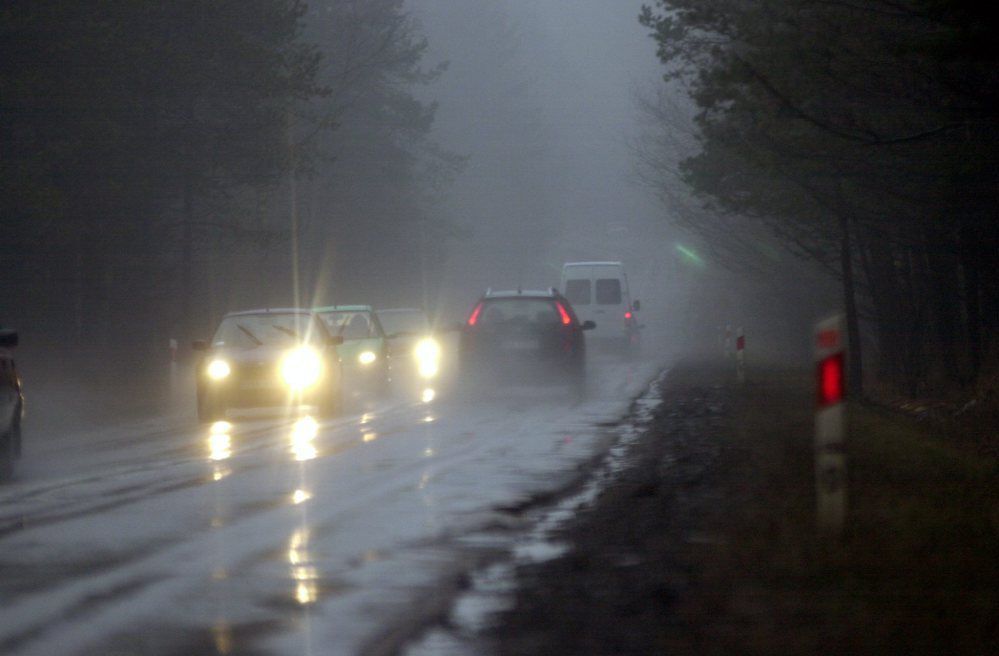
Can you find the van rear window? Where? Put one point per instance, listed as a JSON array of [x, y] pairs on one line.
[[608, 291], [578, 291]]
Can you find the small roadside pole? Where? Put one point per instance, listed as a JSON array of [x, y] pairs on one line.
[[728, 341], [830, 450], [740, 354], [173, 349]]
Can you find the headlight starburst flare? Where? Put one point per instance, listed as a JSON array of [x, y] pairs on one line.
[[301, 368]]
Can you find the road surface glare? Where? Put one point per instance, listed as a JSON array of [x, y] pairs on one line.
[[274, 534]]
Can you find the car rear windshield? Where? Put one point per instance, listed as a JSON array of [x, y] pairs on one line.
[[578, 291], [350, 325], [517, 312], [608, 291], [251, 330]]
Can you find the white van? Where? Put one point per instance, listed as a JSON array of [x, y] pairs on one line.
[[598, 292]]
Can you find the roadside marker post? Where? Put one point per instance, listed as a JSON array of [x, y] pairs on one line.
[[740, 354], [173, 349], [830, 449], [728, 341]]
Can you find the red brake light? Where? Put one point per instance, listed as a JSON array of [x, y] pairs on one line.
[[566, 319], [475, 314], [627, 315], [831, 383]]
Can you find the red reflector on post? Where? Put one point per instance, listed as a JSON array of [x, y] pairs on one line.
[[475, 315], [627, 315], [831, 382]]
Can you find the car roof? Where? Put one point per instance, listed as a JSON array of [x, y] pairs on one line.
[[521, 293], [581, 264], [343, 308], [270, 311], [383, 311]]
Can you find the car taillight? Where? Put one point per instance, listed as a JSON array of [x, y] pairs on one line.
[[566, 319], [475, 315], [627, 315]]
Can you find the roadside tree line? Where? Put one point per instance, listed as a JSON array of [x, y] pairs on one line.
[[863, 137], [161, 160]]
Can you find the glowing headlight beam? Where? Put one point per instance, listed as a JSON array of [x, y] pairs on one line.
[[301, 368], [218, 369], [428, 357], [367, 357]]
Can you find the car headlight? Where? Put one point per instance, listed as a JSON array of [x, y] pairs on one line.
[[367, 357], [218, 369], [428, 357], [301, 368]]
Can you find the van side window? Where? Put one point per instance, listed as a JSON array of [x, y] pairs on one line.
[[608, 291], [578, 291]]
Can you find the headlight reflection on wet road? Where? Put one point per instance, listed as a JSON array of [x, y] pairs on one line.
[[303, 432], [302, 572], [219, 446]]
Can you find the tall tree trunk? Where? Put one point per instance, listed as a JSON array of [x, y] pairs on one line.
[[187, 259], [854, 371]]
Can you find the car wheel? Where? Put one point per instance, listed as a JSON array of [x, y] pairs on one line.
[[17, 434], [210, 410], [384, 384], [7, 445]]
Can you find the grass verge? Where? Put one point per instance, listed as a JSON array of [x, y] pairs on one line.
[[915, 572]]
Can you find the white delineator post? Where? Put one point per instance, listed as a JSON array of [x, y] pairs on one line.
[[740, 354], [830, 419], [728, 341], [173, 349]]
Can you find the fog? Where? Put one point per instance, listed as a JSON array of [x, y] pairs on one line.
[[540, 98], [457, 146]]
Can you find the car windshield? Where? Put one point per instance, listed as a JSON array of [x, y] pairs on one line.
[[519, 312], [404, 321], [252, 330], [351, 324]]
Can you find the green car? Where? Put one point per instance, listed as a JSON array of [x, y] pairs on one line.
[[364, 352]]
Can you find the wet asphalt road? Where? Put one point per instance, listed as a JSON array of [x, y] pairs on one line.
[[274, 533]]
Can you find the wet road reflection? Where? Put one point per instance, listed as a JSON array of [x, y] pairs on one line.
[[303, 432], [220, 441]]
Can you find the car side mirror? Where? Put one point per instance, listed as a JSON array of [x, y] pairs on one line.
[[8, 338], [588, 325], [335, 340], [636, 306], [199, 345]]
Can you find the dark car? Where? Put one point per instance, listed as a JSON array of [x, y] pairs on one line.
[[267, 358], [523, 337], [11, 405]]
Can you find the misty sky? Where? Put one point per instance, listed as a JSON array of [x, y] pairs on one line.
[[540, 97]]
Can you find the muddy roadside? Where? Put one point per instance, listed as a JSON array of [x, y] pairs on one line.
[[705, 542]]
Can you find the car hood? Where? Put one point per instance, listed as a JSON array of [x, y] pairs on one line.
[[352, 348], [258, 355]]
